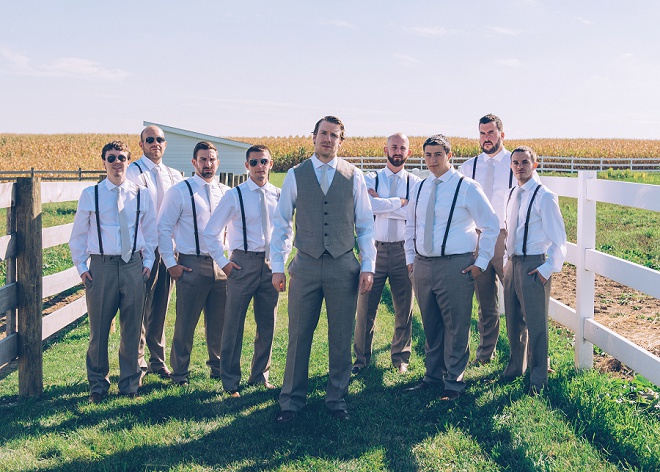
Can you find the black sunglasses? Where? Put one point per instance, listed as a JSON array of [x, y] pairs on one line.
[[111, 158], [254, 162], [151, 139]]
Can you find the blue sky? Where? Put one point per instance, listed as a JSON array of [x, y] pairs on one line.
[[268, 68]]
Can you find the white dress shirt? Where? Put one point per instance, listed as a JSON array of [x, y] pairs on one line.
[[84, 240], [501, 175], [228, 214], [281, 241], [472, 211], [546, 233], [388, 207], [175, 219], [146, 178]]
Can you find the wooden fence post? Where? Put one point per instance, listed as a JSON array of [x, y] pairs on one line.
[[10, 315], [585, 280], [29, 271]]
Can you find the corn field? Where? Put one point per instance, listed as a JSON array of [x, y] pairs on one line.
[[71, 151]]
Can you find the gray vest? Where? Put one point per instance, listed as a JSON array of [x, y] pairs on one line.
[[325, 222]]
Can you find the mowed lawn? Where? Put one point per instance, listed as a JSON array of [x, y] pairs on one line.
[[584, 421]]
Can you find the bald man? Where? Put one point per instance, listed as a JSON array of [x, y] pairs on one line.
[[389, 192], [149, 171]]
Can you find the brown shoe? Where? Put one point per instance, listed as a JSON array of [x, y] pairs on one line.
[[164, 373], [403, 369], [479, 362], [267, 385], [95, 398], [285, 416], [234, 393]]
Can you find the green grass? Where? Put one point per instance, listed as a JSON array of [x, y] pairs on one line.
[[583, 422]]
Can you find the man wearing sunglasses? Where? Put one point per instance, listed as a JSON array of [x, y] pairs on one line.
[[150, 171], [331, 205], [200, 284], [109, 233], [246, 212]]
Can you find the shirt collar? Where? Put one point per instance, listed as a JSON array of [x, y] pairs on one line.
[[497, 157], [400, 174], [532, 183], [110, 186], [148, 162], [447, 175], [317, 162], [201, 182]]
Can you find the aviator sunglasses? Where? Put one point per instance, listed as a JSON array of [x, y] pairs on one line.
[[254, 162], [111, 158], [151, 139]]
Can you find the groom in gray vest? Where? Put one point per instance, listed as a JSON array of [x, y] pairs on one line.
[[331, 205]]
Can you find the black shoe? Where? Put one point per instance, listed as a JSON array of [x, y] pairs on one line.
[[420, 386], [356, 370], [164, 373], [182, 383], [340, 415], [285, 416], [535, 391], [95, 398], [449, 395]]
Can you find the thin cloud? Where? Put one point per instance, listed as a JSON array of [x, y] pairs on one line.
[[339, 23], [427, 32], [19, 64], [584, 21], [509, 62], [506, 31], [406, 60]]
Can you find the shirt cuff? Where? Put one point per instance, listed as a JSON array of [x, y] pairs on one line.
[[482, 263], [368, 266], [277, 267], [169, 261], [545, 270], [82, 268]]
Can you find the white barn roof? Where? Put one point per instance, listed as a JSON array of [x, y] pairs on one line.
[[181, 142]]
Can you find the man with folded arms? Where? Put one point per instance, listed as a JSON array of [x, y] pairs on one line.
[[441, 240], [200, 284], [389, 192], [109, 230], [535, 249], [246, 212], [150, 171]]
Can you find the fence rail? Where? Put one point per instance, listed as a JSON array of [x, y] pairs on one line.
[[546, 163]]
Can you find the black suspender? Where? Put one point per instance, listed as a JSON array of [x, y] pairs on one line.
[[240, 200], [529, 212], [98, 220], [194, 212], [451, 215], [474, 171]]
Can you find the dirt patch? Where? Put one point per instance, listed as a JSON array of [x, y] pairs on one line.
[[630, 313]]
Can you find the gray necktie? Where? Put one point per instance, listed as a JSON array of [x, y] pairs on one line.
[[264, 221], [160, 185], [391, 222], [512, 222], [430, 218], [123, 227], [209, 194], [488, 182], [324, 179]]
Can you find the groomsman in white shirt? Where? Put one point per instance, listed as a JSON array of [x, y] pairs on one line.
[[535, 249], [246, 212], [389, 192], [109, 232], [150, 171], [200, 283], [492, 170], [440, 251]]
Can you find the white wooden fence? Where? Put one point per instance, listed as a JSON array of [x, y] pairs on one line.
[[546, 163]]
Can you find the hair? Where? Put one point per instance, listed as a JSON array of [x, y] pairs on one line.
[[117, 146], [330, 119], [438, 140], [527, 150], [257, 148], [203, 145], [490, 118]]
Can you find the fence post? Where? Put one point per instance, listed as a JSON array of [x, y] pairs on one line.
[[10, 315], [29, 271], [585, 280], [79, 174]]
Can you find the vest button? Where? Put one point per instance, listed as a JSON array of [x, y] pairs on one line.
[[325, 213], [325, 224], [325, 234]]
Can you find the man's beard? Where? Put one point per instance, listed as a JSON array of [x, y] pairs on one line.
[[396, 160], [494, 149]]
